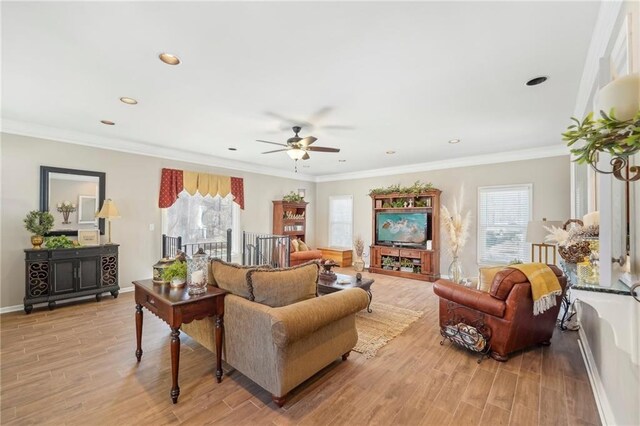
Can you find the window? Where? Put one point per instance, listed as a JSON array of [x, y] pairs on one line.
[[503, 215], [341, 221], [202, 219]]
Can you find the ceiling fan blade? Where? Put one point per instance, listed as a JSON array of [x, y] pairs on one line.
[[306, 156], [320, 114], [272, 143], [322, 149], [307, 141], [277, 150]]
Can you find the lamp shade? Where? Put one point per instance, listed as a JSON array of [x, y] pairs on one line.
[[536, 232], [108, 210], [296, 153], [623, 95]]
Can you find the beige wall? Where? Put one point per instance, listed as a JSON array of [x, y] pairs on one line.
[[551, 196], [133, 183]]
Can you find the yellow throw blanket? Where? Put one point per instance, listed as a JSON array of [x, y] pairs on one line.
[[544, 285]]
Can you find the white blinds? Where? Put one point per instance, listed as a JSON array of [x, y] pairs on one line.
[[503, 215], [340, 221]]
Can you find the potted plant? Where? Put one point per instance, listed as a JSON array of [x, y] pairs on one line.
[[608, 134], [61, 241], [176, 274], [292, 197], [388, 262], [38, 223], [406, 265]]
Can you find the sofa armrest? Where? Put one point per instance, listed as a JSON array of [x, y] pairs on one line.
[[470, 297], [295, 321]]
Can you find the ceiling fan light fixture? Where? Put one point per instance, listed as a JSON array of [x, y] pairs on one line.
[[169, 59], [296, 153]]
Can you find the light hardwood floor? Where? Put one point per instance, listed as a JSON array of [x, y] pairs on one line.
[[76, 366]]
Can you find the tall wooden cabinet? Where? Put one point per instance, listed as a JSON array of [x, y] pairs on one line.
[[290, 219], [58, 274], [420, 261]]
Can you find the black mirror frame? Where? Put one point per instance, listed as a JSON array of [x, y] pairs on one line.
[[44, 192]]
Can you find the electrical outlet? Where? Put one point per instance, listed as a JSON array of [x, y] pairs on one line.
[[152, 227]]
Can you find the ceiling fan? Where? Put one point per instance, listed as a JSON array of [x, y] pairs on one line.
[[298, 148]]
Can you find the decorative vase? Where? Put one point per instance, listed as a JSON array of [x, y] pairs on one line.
[[455, 270], [358, 264], [197, 270], [36, 241]]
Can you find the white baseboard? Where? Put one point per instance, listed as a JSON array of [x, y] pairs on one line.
[[602, 402], [15, 308]]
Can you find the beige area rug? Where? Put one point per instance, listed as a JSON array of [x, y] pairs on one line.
[[377, 328]]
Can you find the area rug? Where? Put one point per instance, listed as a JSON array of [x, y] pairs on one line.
[[377, 328]]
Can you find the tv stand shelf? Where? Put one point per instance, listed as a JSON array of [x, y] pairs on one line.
[[418, 257]]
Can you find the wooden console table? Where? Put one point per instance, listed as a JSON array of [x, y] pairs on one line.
[[176, 307]]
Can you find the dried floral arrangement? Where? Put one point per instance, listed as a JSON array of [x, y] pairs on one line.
[[358, 245], [573, 244], [456, 225]]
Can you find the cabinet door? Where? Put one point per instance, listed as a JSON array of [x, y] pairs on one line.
[[63, 276], [426, 258], [88, 273]]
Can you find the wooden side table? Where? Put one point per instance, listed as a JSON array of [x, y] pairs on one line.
[[343, 256], [176, 307]]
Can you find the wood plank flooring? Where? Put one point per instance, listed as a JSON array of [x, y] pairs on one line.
[[76, 366]]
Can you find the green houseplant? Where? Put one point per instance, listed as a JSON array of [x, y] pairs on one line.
[[406, 265], [176, 273], [61, 241], [38, 223], [292, 197], [607, 134], [417, 188]]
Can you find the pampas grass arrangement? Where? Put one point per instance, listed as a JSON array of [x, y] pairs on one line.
[[456, 225], [358, 245]]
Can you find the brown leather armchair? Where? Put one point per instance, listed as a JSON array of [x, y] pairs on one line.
[[506, 311]]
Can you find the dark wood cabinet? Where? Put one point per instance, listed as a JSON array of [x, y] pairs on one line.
[[59, 274]]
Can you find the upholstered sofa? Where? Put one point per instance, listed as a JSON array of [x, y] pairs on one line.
[[299, 256], [277, 332], [506, 310]]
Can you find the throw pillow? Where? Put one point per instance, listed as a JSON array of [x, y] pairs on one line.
[[292, 247], [282, 287], [231, 276], [295, 243], [302, 246], [487, 274]]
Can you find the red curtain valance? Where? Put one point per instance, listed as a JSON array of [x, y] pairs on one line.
[[172, 184]]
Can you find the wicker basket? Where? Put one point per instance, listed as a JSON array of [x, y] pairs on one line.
[[575, 253]]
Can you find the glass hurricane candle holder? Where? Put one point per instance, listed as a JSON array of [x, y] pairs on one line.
[[197, 269]]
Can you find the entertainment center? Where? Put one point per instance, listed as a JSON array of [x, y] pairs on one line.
[[406, 235]]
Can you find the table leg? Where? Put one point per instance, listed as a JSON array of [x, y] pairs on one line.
[[219, 333], [370, 299], [138, 331], [175, 363]]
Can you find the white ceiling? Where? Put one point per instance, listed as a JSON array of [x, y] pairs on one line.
[[399, 76]]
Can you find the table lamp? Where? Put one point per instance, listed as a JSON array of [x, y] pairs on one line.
[[108, 211], [536, 234]]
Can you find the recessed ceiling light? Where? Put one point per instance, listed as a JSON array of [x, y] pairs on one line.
[[342, 161], [128, 101], [537, 80], [169, 59], [107, 122], [454, 141], [232, 149], [391, 152]]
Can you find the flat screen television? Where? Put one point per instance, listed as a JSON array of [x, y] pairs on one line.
[[402, 229]]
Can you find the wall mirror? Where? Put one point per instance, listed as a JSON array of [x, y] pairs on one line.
[[73, 197]]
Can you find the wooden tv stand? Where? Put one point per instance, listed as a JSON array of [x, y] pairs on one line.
[[418, 263]]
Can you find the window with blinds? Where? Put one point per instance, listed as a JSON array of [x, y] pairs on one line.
[[340, 221], [503, 215]]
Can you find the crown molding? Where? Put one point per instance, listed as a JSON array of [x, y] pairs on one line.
[[475, 160], [132, 147], [609, 17]]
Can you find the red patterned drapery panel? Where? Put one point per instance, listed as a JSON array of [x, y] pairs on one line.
[[237, 189], [171, 184]]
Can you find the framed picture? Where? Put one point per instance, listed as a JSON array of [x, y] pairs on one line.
[[89, 237], [87, 208]]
